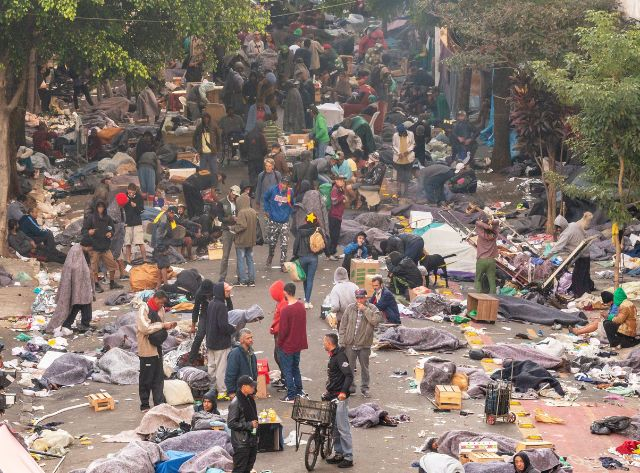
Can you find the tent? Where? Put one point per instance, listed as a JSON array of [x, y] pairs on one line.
[[13, 457], [441, 239]]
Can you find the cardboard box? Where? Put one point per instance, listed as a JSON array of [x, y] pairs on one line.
[[368, 284], [298, 139], [216, 111], [485, 305], [215, 251], [418, 374], [360, 268], [261, 390], [533, 444], [179, 175]]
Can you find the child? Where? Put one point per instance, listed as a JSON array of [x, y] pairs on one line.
[[356, 249]]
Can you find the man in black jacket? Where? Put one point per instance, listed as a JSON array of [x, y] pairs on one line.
[[100, 227], [242, 420], [133, 233], [403, 273], [340, 378]]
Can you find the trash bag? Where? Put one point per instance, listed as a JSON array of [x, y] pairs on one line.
[[610, 425], [163, 433]]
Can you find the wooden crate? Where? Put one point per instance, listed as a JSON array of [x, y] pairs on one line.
[[533, 444], [101, 402], [484, 457], [448, 397], [485, 305], [215, 251]]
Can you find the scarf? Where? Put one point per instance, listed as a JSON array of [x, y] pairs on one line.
[[153, 304], [248, 406]]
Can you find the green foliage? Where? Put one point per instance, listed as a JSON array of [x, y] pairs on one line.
[[602, 80]]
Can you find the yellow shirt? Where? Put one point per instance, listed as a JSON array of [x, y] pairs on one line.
[[206, 139]]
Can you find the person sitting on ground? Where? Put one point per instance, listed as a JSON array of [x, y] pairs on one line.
[[368, 186], [28, 248], [384, 300], [464, 181], [597, 325], [620, 325], [209, 415], [100, 227], [522, 464], [28, 224], [241, 361], [403, 273], [357, 249]]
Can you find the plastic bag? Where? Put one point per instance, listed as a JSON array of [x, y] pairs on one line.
[[295, 271], [610, 425]]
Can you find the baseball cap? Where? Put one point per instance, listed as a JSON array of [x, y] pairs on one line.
[[246, 380], [285, 178], [235, 190], [361, 293], [173, 209]]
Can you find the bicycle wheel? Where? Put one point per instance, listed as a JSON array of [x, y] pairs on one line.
[[327, 445], [311, 452]]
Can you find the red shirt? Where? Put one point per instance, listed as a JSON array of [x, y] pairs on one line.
[[337, 203], [292, 333]]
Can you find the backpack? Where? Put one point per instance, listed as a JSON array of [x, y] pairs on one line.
[[316, 242]]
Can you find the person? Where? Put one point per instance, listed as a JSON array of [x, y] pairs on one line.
[[356, 249], [145, 144], [17, 208], [356, 335], [278, 205], [319, 170], [486, 252], [242, 420], [75, 290], [568, 241], [231, 124], [28, 248], [256, 45], [245, 230], [361, 128], [339, 380], [147, 106], [267, 179], [370, 40], [620, 324], [336, 212], [28, 224], [320, 133], [284, 67], [420, 147], [434, 462], [116, 211], [255, 149], [345, 140], [464, 181], [277, 294], [294, 116], [292, 339], [272, 134], [384, 300], [151, 331], [241, 362], [522, 464], [403, 273], [80, 86], [279, 159], [403, 156], [100, 226], [303, 251], [258, 112], [301, 169], [434, 176], [149, 171], [304, 53], [250, 88], [267, 96], [232, 90], [368, 186], [316, 50], [408, 244], [42, 138], [134, 233], [206, 143], [209, 414], [463, 138], [342, 293], [194, 186], [200, 304], [228, 219]]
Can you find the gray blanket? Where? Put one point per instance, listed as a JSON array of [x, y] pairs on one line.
[[449, 442], [163, 415], [436, 371], [366, 415], [493, 467], [68, 369], [198, 441], [506, 351], [214, 457], [478, 380], [194, 377], [632, 361], [374, 220], [420, 339], [512, 308], [138, 456], [117, 367]]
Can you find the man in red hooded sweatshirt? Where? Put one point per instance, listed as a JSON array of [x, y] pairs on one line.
[[277, 294]]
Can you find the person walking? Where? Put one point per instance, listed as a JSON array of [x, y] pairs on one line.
[[338, 201], [320, 132], [278, 205], [241, 362], [340, 377], [306, 248], [292, 339], [254, 150], [245, 231], [342, 293], [356, 335], [266, 180], [133, 232], [277, 294], [202, 298], [486, 252], [242, 420], [228, 219], [151, 332]]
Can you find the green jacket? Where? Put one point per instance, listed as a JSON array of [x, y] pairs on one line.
[[320, 130]]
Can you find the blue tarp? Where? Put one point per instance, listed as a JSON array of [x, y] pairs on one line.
[[176, 459]]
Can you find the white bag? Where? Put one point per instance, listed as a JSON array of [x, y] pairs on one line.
[[177, 392]]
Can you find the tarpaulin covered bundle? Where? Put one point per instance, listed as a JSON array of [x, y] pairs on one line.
[[527, 375], [493, 467], [68, 369], [198, 441], [137, 456], [214, 457], [449, 442], [512, 308], [145, 276], [428, 305], [117, 367], [421, 339], [510, 351], [436, 371]]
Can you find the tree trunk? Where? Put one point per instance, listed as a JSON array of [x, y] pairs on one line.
[[464, 89], [501, 156], [551, 191], [5, 172], [33, 104], [616, 237]]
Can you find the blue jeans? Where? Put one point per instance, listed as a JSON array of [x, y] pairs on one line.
[[343, 444], [320, 149], [147, 176], [291, 371], [309, 264], [209, 161], [245, 261]]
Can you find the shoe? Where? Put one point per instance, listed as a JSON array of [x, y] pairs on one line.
[[345, 463], [251, 284], [83, 328], [124, 277], [99, 288], [303, 395], [223, 397], [283, 269], [308, 305], [115, 285], [278, 383], [144, 408], [282, 389], [287, 400], [335, 460], [366, 394]]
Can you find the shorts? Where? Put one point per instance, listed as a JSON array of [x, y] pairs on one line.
[[134, 235], [107, 259]]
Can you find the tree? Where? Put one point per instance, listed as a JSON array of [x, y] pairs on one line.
[[602, 80], [505, 34], [115, 38]]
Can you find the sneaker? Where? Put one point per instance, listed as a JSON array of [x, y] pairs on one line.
[[308, 305], [223, 397], [251, 284], [365, 394], [278, 383], [335, 460], [282, 389], [83, 328], [303, 395], [99, 288], [287, 400], [115, 285], [345, 463], [144, 408]]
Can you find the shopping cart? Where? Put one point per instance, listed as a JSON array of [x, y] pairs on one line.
[[320, 415], [497, 404]]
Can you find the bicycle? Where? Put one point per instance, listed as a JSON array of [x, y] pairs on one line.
[[320, 415]]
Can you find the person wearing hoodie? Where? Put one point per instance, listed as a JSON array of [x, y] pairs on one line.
[[201, 303], [320, 132], [342, 293], [384, 300], [203, 418], [403, 273], [241, 362], [356, 335], [100, 227], [267, 179], [620, 324], [522, 463], [217, 331], [245, 231], [243, 423], [277, 294], [278, 205], [307, 257], [356, 249]]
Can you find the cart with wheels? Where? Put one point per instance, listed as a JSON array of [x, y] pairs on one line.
[[497, 404], [320, 415]]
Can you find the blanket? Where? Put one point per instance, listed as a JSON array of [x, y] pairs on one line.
[[366, 415], [166, 416], [420, 339], [527, 375], [68, 369], [512, 308], [138, 456], [478, 380], [194, 377], [449, 442], [117, 367], [493, 467], [214, 457], [436, 371], [511, 351], [632, 361], [198, 441]]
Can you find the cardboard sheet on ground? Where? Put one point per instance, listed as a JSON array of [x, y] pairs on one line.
[[14, 458], [441, 239]]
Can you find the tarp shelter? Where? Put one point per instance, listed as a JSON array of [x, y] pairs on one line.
[[441, 239], [13, 457]]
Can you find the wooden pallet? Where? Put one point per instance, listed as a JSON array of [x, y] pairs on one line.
[[101, 402], [484, 457], [448, 397]]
